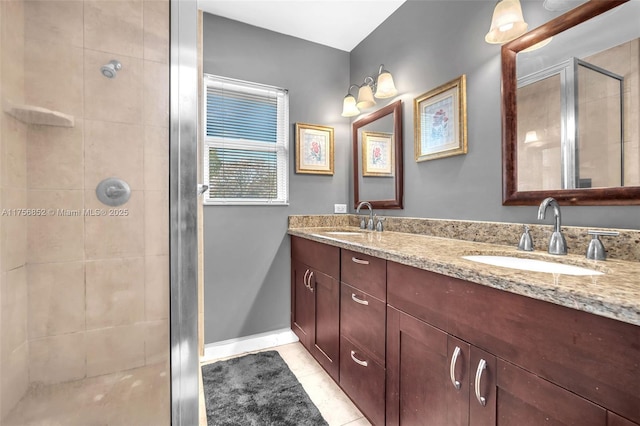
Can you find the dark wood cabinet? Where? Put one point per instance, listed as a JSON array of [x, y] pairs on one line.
[[315, 301], [362, 331], [413, 347]]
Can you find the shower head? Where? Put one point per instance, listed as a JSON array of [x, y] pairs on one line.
[[111, 69]]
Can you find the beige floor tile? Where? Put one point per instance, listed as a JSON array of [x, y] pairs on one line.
[[362, 421]]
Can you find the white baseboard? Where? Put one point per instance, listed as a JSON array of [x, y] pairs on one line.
[[255, 342]]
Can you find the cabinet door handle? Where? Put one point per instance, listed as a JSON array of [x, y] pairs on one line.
[[452, 368], [482, 365], [360, 301], [358, 361], [304, 280], [359, 261], [309, 280]]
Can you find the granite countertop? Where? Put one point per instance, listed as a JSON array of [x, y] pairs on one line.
[[616, 294]]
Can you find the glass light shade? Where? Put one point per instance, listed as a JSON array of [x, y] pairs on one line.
[[538, 45], [507, 23], [349, 108], [531, 136], [365, 97], [385, 87]]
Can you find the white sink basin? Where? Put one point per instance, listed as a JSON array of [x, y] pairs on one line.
[[533, 265], [343, 233]]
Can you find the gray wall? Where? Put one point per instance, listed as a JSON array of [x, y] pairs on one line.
[[425, 44], [246, 248]]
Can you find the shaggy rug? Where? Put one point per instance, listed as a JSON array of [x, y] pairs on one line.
[[256, 389]]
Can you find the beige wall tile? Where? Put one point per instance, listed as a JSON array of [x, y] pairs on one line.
[[115, 349], [118, 99], [12, 54], [14, 154], [156, 287], [58, 21], [114, 27], [56, 237], [115, 236], [14, 229], [156, 223], [115, 292], [156, 94], [55, 157], [60, 90], [156, 30], [157, 342], [57, 359], [113, 150], [56, 298], [15, 377], [156, 158], [14, 310]]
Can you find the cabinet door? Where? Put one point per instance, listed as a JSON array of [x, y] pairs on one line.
[[615, 420], [326, 335], [302, 303], [524, 399], [418, 381]]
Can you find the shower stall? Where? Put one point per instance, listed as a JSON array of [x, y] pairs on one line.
[[85, 265]]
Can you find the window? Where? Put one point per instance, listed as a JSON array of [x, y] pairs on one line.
[[246, 142]]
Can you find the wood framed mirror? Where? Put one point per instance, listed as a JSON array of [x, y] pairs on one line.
[[377, 158], [568, 171]]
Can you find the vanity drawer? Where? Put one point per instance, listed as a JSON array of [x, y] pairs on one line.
[[363, 380], [362, 320], [364, 272], [323, 257]]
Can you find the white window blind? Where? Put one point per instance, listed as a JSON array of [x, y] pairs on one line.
[[246, 142]]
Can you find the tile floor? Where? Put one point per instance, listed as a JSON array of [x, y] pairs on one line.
[[139, 397], [336, 408]]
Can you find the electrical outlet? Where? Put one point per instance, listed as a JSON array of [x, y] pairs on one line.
[[339, 208]]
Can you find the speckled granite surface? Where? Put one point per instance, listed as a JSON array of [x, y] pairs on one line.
[[616, 294]]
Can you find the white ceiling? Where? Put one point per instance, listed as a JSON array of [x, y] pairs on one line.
[[334, 23]]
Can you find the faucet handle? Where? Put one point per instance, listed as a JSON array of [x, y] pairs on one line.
[[379, 226], [596, 250], [526, 242]]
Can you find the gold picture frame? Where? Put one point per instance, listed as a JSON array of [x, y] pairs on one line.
[[314, 149], [377, 154], [440, 121]]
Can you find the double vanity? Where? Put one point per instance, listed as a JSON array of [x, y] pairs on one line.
[[424, 329]]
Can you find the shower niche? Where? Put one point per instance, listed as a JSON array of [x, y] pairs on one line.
[[571, 128]]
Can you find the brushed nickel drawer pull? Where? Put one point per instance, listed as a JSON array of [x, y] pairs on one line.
[[304, 280], [310, 276], [452, 368], [482, 365], [360, 261], [360, 301], [357, 361]]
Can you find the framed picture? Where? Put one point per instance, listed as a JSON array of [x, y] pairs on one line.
[[440, 121], [377, 154], [314, 149]]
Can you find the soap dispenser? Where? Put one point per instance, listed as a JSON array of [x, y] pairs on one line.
[[526, 242]]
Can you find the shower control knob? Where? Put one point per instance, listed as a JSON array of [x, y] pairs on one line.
[[113, 192]]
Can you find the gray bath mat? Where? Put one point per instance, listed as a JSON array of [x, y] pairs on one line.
[[257, 389]]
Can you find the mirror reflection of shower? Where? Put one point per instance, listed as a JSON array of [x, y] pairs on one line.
[[111, 69]]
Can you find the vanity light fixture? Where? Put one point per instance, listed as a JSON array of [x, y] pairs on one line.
[[383, 87], [531, 136], [507, 23]]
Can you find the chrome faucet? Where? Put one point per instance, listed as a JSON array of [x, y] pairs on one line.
[[369, 224], [557, 243]]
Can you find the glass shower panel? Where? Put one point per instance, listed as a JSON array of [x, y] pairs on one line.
[[599, 148], [84, 285]]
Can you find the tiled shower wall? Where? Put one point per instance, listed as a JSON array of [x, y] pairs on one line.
[[14, 348], [96, 293]]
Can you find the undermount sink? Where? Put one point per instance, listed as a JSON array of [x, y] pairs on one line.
[[533, 265], [343, 233]]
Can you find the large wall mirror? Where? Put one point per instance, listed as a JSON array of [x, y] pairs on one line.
[[571, 108], [377, 158]]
